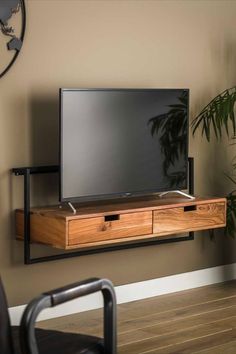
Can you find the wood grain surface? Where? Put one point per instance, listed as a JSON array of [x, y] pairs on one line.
[[97, 229], [206, 216], [43, 229], [120, 206], [112, 223]]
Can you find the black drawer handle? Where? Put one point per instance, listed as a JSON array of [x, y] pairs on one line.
[[190, 208], [112, 217]]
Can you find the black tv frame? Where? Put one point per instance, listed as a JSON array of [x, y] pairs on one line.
[[119, 194]]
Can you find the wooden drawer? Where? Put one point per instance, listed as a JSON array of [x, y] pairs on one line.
[[109, 227], [189, 218], [99, 225], [43, 229]]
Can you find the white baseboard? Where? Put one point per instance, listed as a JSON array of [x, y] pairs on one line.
[[137, 291]]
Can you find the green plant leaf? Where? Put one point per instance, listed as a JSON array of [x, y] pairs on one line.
[[219, 113]]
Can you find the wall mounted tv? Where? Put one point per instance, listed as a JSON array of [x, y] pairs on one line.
[[122, 142]]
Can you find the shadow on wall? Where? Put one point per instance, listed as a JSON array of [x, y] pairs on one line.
[[216, 156], [223, 56], [44, 130], [44, 147], [217, 153]]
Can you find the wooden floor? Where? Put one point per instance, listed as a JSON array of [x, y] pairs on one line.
[[201, 320]]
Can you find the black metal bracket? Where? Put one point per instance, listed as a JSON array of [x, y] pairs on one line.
[[27, 171]]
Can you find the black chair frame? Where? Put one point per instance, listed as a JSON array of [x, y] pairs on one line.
[[62, 295]]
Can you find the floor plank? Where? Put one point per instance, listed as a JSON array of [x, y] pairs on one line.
[[163, 342], [195, 345], [228, 348], [201, 320], [176, 325]]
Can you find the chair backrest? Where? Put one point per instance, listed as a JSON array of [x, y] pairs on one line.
[[29, 344], [6, 343]]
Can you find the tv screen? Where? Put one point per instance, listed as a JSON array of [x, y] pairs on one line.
[[122, 142]]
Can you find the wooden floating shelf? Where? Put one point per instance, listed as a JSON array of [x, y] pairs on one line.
[[120, 221]]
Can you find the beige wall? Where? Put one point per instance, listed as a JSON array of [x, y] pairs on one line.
[[73, 43]]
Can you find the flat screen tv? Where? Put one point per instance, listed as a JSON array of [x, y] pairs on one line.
[[122, 142]]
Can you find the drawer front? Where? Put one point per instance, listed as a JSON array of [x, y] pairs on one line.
[[189, 218], [109, 227]]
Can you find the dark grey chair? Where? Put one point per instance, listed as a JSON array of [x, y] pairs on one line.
[[27, 339]]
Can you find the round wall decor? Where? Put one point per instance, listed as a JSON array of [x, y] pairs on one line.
[[12, 30]]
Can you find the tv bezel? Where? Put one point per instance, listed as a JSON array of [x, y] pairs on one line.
[[118, 195]]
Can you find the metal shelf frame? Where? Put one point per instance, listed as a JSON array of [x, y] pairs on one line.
[[26, 172]]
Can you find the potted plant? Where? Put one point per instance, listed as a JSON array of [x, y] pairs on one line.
[[216, 117]]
